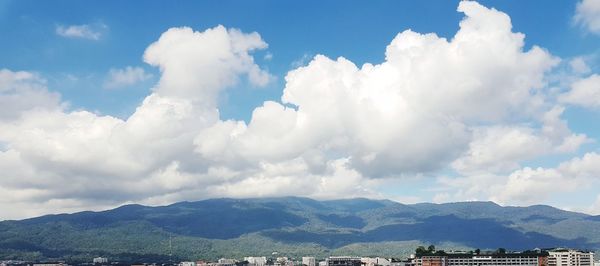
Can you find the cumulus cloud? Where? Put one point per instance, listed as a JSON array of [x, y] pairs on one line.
[[197, 65], [408, 114], [24, 91], [339, 130], [84, 31], [587, 15], [579, 65], [584, 92], [526, 185], [501, 148], [118, 78], [84, 156]]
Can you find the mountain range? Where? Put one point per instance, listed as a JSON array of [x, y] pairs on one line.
[[293, 227]]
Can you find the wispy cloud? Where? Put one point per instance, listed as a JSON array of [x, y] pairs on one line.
[[84, 31], [128, 76], [302, 61], [588, 15]]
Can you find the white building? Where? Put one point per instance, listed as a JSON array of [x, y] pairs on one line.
[[283, 261], [100, 260], [375, 261], [308, 261], [407, 262], [187, 263], [226, 262], [256, 261], [570, 257]]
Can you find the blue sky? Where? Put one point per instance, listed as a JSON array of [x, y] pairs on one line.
[[357, 30], [78, 66]]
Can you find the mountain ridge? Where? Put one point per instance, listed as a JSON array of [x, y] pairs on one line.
[[295, 226], [306, 198]]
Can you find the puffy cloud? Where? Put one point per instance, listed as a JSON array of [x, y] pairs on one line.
[[526, 185], [587, 15], [408, 114], [78, 156], [340, 130], [84, 31], [22, 91], [501, 148], [127, 76], [579, 65], [584, 92], [197, 65]]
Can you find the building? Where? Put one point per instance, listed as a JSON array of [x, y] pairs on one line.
[[375, 261], [226, 262], [256, 261], [187, 263], [508, 259], [570, 257], [51, 264], [309, 261], [343, 261], [406, 262], [99, 260], [283, 261], [431, 261]]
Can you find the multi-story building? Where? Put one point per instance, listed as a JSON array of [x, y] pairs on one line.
[[187, 263], [405, 262], [226, 262], [375, 261], [256, 261], [99, 260], [509, 259], [570, 257], [51, 264], [283, 261], [343, 261], [308, 261]]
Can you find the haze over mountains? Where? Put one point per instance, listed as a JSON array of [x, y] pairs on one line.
[[292, 226]]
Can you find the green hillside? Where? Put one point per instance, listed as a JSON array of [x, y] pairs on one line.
[[292, 227]]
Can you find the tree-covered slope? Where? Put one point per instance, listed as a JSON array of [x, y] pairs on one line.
[[291, 226]]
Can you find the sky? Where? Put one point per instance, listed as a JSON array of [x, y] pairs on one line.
[[105, 103]]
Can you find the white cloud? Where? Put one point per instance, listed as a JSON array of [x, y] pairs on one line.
[[268, 57], [340, 130], [84, 31], [579, 66], [595, 208], [23, 91], [197, 65], [587, 15], [127, 76], [409, 114], [78, 156], [502, 148], [526, 185], [584, 92]]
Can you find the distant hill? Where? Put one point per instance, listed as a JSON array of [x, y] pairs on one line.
[[292, 227]]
